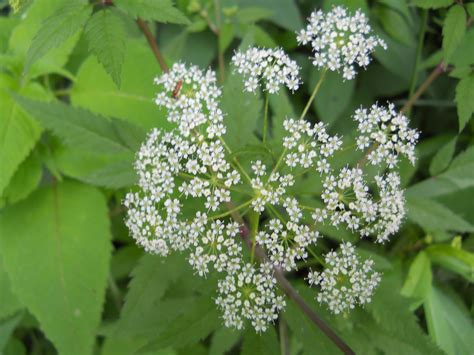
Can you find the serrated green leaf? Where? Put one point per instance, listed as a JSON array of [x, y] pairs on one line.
[[464, 54], [454, 29], [65, 252], [151, 278], [19, 132], [25, 180], [77, 127], [460, 175], [10, 303], [56, 29], [241, 120], [456, 260], [432, 4], [418, 282], [449, 324], [333, 96], [156, 10], [105, 33], [133, 102], [223, 340], [263, 344], [433, 216], [465, 100], [443, 157]]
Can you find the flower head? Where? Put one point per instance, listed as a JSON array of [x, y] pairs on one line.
[[346, 282], [270, 66], [340, 40]]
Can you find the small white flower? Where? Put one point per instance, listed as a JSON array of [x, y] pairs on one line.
[[340, 40], [271, 66]]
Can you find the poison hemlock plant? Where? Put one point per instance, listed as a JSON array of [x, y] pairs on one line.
[[194, 192]]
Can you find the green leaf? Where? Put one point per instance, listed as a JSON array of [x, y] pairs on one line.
[[223, 340], [133, 102], [433, 216], [454, 29], [18, 131], [77, 127], [464, 54], [432, 4], [156, 10], [65, 252], [106, 35], [55, 30], [456, 260], [418, 282], [25, 180], [253, 14], [333, 97], [460, 175], [449, 323], [241, 120], [10, 303], [123, 261], [465, 100], [7, 326], [151, 278], [262, 344], [443, 157], [396, 21]]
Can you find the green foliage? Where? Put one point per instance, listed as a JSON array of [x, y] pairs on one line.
[[105, 33], [76, 102], [67, 245], [465, 100], [56, 29], [157, 10]]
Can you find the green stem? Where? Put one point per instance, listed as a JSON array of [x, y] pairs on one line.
[[265, 119], [242, 170], [254, 219], [233, 210], [313, 95]]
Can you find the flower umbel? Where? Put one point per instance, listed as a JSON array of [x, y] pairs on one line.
[[340, 40]]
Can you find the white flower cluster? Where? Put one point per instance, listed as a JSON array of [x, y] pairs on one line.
[[190, 163], [346, 282], [339, 40], [188, 176], [387, 130], [250, 294], [271, 66]]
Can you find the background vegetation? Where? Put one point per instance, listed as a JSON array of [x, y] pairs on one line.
[[76, 100]]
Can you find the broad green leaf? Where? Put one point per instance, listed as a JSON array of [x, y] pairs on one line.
[[465, 100], [253, 14], [151, 278], [106, 170], [77, 127], [460, 175], [263, 344], [56, 29], [464, 54], [285, 12], [433, 216], [454, 29], [333, 97], [280, 108], [432, 4], [449, 323], [227, 34], [156, 10], [105, 33], [418, 282], [123, 261], [7, 25], [396, 21], [200, 319], [443, 157], [23, 36], [10, 303], [25, 180], [456, 260], [19, 132], [7, 326], [223, 340], [63, 274], [241, 119], [134, 101]]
